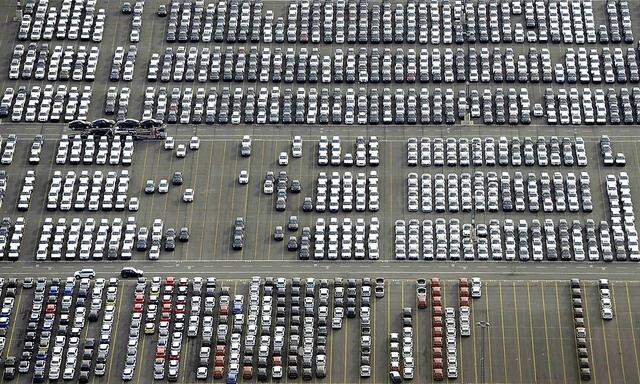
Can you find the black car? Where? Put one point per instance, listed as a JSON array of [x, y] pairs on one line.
[[126, 8], [307, 204], [296, 186], [131, 272], [177, 178], [103, 123], [79, 125], [183, 236]]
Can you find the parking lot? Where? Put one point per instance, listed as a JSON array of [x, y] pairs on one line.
[[522, 327], [528, 335]]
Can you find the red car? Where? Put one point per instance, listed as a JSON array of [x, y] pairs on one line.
[[435, 282], [170, 280], [138, 307]]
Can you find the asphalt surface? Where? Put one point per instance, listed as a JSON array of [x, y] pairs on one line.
[[526, 304]]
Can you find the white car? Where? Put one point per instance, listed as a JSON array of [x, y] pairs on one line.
[[243, 178], [181, 151], [283, 159], [169, 143], [134, 204], [163, 186], [188, 195], [194, 143]]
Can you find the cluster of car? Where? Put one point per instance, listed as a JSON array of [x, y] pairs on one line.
[[192, 21], [136, 19], [24, 197], [355, 241], [607, 154], [436, 313], [597, 107], [606, 309], [622, 217], [76, 19], [411, 22], [93, 192], [453, 151], [63, 311], [580, 330], [9, 149], [93, 239], [45, 104], [117, 102], [341, 192], [401, 350], [72, 63], [79, 149], [8, 305], [464, 304], [366, 153], [282, 184], [11, 234], [157, 234], [507, 193], [123, 63], [509, 241]]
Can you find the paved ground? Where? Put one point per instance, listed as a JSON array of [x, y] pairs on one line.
[[530, 336]]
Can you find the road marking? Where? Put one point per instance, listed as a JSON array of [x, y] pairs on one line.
[[373, 334], [515, 308], [260, 193], [504, 346], [588, 327], [564, 368], [488, 330], [546, 334], [189, 209], [115, 335], [620, 352], [633, 334], [215, 241], [533, 347], [473, 335], [206, 202]]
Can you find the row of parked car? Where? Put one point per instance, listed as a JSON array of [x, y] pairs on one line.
[[46, 104], [507, 193], [340, 189], [77, 149], [346, 241], [75, 19], [8, 305], [375, 65], [401, 362], [606, 309], [580, 330], [38, 63], [462, 151], [509, 240], [404, 22], [136, 21]]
